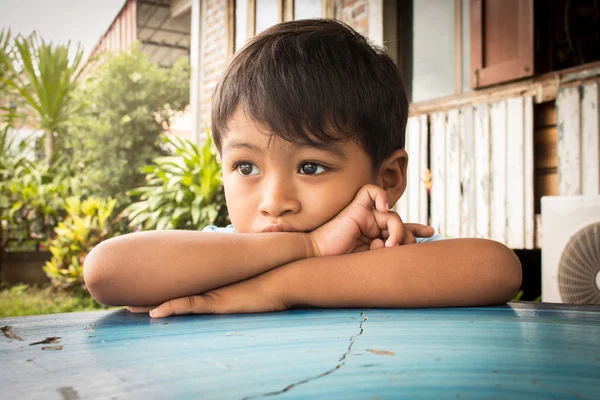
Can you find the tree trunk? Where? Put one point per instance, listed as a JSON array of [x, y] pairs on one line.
[[49, 146]]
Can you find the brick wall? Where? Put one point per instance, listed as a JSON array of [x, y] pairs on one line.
[[214, 51], [354, 13]]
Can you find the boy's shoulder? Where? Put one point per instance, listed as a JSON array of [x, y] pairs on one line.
[[231, 229]]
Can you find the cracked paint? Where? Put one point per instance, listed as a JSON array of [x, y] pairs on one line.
[[7, 330], [339, 365]]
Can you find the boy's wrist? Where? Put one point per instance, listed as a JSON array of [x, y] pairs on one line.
[[311, 249]]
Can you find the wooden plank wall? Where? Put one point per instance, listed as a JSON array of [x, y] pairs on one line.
[[578, 145], [413, 205], [482, 171]]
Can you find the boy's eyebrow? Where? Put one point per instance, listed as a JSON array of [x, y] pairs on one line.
[[329, 147], [242, 145]]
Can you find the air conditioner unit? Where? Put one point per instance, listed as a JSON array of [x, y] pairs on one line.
[[571, 249]]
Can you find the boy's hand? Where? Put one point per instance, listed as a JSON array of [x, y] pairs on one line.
[[365, 224], [249, 296]]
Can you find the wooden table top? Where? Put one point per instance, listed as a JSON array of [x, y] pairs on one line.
[[518, 351]]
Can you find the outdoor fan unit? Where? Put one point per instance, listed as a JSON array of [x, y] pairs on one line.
[[571, 249]]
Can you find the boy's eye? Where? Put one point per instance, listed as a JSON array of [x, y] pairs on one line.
[[310, 168], [247, 169]]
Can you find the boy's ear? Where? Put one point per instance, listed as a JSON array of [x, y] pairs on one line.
[[392, 175]]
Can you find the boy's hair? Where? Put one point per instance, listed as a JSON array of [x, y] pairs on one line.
[[315, 81]]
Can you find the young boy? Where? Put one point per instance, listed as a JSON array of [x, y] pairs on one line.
[[309, 120]]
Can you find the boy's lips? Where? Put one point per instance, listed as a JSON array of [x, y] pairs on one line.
[[279, 228]]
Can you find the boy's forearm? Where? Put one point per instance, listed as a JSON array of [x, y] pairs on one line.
[[148, 268], [463, 272]]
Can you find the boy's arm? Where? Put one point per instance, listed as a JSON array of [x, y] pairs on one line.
[[151, 267], [146, 268], [446, 273]]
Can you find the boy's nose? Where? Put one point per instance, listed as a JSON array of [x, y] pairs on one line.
[[277, 201]]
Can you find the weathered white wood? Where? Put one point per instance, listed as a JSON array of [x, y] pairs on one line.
[[498, 128], [423, 152], [453, 203], [438, 172], [467, 173], [401, 206], [414, 169], [515, 198], [569, 141], [482, 171], [590, 148], [529, 175]]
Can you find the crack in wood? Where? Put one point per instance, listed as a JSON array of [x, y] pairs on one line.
[[341, 362]]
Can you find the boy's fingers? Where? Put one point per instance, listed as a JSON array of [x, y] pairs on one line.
[[139, 309], [185, 305], [376, 244], [371, 195], [419, 230], [392, 223]]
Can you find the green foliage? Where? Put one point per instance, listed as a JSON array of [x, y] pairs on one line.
[[46, 77], [86, 224], [6, 67], [36, 193], [184, 191], [127, 103], [21, 300], [11, 161]]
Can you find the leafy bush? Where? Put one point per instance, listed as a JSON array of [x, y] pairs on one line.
[[36, 193], [184, 191], [127, 102], [86, 224]]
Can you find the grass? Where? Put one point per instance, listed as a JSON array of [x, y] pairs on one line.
[[20, 300]]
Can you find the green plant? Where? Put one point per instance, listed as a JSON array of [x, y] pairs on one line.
[[128, 102], [46, 77], [86, 224], [36, 196], [184, 191], [20, 300]]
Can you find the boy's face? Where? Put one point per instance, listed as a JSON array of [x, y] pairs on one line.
[[283, 186]]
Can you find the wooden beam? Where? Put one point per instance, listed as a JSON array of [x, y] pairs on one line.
[[288, 10], [544, 88], [251, 19], [231, 27], [458, 47]]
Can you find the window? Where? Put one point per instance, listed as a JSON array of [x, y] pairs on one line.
[[513, 39], [251, 17], [430, 45], [268, 13], [305, 9], [501, 41], [241, 23]]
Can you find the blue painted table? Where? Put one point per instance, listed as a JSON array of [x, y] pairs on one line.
[[522, 350]]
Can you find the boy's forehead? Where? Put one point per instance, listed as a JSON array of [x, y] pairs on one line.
[[243, 132]]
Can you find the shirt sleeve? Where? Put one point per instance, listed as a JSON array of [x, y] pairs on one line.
[[434, 238], [213, 228]]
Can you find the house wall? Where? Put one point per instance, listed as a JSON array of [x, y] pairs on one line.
[[215, 22], [354, 13], [121, 33], [214, 50]]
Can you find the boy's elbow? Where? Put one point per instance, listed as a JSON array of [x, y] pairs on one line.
[[508, 272], [97, 273]]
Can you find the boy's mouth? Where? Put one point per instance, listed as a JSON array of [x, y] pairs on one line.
[[279, 228]]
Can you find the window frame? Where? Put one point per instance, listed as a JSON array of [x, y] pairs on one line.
[[285, 13]]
